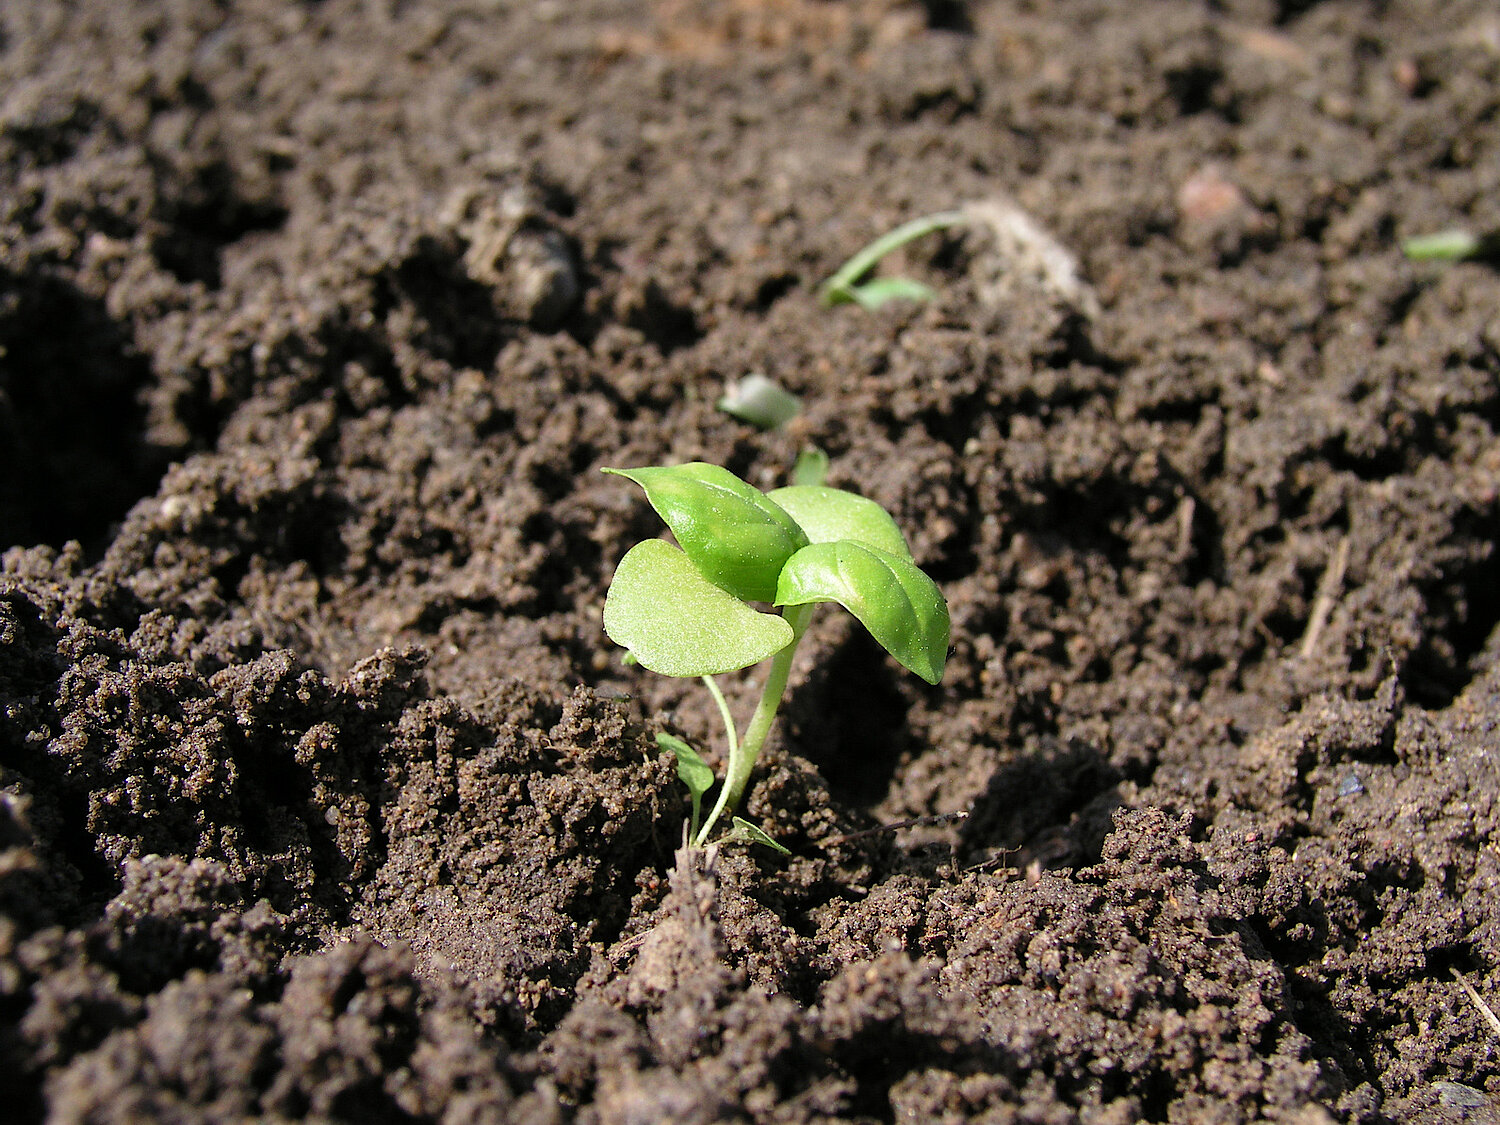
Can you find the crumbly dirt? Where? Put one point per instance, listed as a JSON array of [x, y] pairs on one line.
[[324, 797]]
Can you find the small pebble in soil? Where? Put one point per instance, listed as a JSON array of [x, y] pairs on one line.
[[1455, 1095]]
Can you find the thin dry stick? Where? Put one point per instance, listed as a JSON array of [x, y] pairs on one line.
[[914, 822], [1328, 592], [1186, 510], [1484, 1009]]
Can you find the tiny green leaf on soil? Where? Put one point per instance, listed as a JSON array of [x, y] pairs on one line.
[[761, 402], [900, 606], [811, 466], [1443, 246], [743, 832], [694, 773], [678, 623], [883, 290], [692, 770]]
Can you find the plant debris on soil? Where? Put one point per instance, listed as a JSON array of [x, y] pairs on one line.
[[323, 795]]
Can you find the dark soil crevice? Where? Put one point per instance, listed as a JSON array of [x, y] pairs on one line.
[[61, 479]]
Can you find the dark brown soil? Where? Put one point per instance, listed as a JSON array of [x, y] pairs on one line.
[[324, 795]]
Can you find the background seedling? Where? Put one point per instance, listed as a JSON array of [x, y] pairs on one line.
[[845, 285], [811, 466], [761, 402], [685, 610], [1452, 246]]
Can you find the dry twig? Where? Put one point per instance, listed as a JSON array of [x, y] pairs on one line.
[[1328, 592], [1484, 1009]]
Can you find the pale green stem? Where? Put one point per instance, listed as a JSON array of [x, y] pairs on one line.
[[742, 757], [734, 738]]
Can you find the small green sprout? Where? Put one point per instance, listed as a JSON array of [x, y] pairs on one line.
[[811, 466], [685, 610], [695, 774], [845, 286], [1456, 245], [761, 402]]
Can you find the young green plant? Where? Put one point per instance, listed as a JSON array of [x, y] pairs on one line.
[[1456, 245], [848, 285], [687, 610]]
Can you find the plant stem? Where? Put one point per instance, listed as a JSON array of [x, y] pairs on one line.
[[729, 731], [742, 757]]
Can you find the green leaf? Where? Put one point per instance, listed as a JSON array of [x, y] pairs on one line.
[[811, 466], [1443, 246], [738, 539], [900, 606], [883, 290], [743, 832], [829, 514], [678, 623], [761, 402], [692, 770]]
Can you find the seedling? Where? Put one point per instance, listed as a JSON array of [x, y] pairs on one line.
[[811, 466], [845, 285], [1455, 245], [686, 610], [761, 402]]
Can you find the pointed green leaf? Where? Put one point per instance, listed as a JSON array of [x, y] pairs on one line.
[[743, 832], [900, 606], [829, 514], [761, 402], [678, 623], [692, 770], [811, 466], [883, 290], [736, 538], [1444, 246]]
